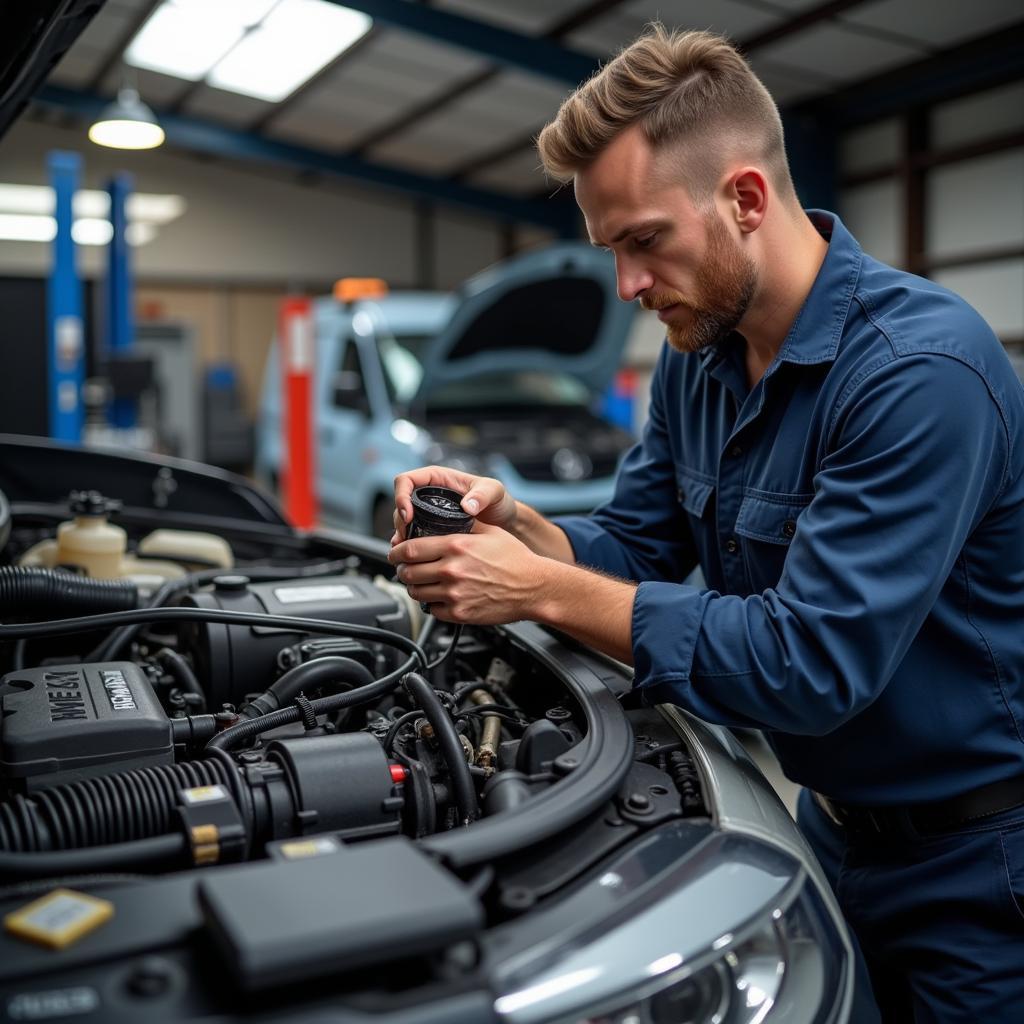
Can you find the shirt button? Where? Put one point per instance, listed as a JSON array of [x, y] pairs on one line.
[[789, 528], [732, 546], [680, 493], [736, 451]]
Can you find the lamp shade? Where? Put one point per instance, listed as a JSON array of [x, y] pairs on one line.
[[127, 123]]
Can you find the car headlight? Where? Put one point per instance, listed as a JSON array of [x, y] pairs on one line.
[[465, 460], [737, 933]]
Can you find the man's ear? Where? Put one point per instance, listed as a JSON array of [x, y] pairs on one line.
[[746, 192]]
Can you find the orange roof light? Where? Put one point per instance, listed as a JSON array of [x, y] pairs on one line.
[[351, 289]]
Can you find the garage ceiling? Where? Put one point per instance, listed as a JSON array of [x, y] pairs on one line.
[[431, 97]]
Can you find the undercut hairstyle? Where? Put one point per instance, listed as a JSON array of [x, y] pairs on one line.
[[689, 91]]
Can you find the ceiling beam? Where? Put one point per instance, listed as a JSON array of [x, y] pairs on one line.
[[810, 17], [422, 110], [805, 20], [981, 63], [509, 49], [207, 137]]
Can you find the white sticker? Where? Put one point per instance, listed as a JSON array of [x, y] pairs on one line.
[[68, 335], [300, 344], [53, 1004], [61, 912], [204, 794], [325, 592], [67, 396]]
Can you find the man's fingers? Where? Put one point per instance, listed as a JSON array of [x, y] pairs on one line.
[[483, 493], [420, 549], [439, 476]]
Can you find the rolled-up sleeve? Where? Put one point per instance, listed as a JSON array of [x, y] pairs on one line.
[[642, 533], [917, 452]]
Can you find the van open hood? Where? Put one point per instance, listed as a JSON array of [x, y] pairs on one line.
[[551, 310]]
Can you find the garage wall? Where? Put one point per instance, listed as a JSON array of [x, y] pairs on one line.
[[247, 238], [940, 191], [242, 226]]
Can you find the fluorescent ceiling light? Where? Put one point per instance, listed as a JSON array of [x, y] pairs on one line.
[[33, 227], [185, 38], [150, 207], [296, 40], [27, 227], [91, 231], [26, 199]]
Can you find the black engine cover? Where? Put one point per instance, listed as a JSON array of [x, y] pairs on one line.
[[66, 722]]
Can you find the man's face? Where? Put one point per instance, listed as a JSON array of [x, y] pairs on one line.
[[669, 255]]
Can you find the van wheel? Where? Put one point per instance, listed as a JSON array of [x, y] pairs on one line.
[[383, 525]]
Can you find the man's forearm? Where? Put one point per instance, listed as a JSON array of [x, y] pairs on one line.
[[540, 535], [594, 608]]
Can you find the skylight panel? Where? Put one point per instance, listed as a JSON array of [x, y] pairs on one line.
[[293, 43]]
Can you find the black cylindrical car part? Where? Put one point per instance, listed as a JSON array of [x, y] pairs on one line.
[[436, 511], [236, 660]]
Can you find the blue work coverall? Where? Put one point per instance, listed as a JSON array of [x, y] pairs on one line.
[[859, 519]]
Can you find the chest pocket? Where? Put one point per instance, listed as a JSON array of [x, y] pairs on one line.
[[767, 523], [694, 490], [770, 517]]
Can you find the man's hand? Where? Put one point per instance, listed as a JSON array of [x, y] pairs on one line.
[[489, 577], [485, 577], [482, 497]]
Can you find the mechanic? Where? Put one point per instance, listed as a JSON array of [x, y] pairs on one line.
[[839, 446]]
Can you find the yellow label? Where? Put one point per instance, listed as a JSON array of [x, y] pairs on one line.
[[310, 847], [60, 918]]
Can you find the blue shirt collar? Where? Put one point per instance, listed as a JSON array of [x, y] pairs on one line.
[[814, 336]]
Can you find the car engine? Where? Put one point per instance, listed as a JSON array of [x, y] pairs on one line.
[[175, 714]]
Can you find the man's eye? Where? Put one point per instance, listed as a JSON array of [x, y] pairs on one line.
[[647, 241]]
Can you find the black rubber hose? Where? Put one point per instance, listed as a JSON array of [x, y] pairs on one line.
[[116, 808], [448, 740], [53, 593], [165, 851], [311, 675], [234, 737], [182, 672], [110, 648], [111, 619]]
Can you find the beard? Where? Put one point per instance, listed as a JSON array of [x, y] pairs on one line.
[[724, 287]]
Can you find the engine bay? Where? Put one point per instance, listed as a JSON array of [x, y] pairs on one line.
[[291, 701]]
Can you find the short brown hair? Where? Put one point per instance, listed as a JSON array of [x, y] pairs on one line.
[[679, 87]]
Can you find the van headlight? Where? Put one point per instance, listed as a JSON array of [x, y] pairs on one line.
[[739, 941]]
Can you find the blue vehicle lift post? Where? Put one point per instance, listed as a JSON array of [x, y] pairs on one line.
[[64, 307], [120, 321]]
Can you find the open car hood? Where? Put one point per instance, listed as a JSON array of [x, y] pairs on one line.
[[551, 310], [35, 36]]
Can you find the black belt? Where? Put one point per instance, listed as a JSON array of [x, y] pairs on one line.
[[926, 819]]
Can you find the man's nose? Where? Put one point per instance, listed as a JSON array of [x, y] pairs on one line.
[[632, 280]]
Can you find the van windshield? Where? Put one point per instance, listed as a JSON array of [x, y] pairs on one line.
[[403, 371]]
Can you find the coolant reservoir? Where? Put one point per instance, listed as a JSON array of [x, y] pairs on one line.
[[89, 540], [194, 549]]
